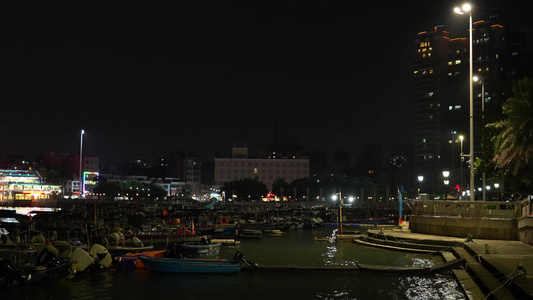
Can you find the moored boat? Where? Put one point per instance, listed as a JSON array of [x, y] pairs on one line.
[[202, 249], [117, 250], [186, 265], [250, 233]]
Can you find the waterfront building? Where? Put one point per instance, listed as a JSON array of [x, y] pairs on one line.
[[266, 170], [26, 186]]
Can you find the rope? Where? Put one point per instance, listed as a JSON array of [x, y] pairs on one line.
[[508, 282]]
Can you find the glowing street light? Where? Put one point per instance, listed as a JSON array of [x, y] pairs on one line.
[[334, 197], [467, 8], [446, 174], [462, 160], [80, 184], [421, 179], [476, 78]]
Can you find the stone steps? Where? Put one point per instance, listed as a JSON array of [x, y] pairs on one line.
[[478, 274]]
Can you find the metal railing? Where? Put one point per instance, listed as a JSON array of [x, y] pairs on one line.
[[473, 209]]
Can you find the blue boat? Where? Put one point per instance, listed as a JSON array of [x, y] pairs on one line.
[[186, 265]]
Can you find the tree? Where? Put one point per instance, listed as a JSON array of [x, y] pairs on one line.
[[245, 189], [513, 142], [302, 185], [279, 185], [110, 189]]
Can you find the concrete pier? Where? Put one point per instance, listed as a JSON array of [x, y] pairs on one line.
[[495, 269]]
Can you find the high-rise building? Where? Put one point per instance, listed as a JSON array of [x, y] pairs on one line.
[[439, 110], [441, 94]]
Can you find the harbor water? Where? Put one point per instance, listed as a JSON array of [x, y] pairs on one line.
[[296, 247]]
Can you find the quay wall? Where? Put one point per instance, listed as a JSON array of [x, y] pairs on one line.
[[525, 230], [493, 229]]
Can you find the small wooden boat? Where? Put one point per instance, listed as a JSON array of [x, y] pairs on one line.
[[117, 250], [203, 249], [274, 232], [132, 261], [250, 234], [186, 265]]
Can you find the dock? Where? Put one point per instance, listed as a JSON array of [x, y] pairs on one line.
[[359, 268], [493, 269]]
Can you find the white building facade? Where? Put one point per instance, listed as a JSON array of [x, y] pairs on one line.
[[266, 170]]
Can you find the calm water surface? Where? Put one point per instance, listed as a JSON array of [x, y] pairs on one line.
[[294, 248]]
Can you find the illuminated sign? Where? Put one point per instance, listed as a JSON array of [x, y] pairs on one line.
[[88, 179]]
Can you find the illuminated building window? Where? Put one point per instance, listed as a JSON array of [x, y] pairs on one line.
[[458, 107], [457, 61], [450, 63], [450, 107]]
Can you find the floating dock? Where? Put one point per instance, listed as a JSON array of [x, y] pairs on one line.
[[359, 268]]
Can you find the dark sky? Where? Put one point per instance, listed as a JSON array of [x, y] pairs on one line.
[[144, 79]]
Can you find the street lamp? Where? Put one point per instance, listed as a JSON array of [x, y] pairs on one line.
[[462, 160], [334, 197], [476, 78], [468, 8], [446, 174], [421, 179], [80, 184], [452, 178]]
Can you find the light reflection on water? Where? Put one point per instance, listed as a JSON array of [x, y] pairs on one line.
[[294, 248]]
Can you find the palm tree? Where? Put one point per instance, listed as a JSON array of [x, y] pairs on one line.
[[513, 143]]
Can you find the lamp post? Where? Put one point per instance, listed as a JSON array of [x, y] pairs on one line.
[[476, 78], [80, 185], [468, 8], [497, 187], [446, 174], [334, 197], [452, 178], [421, 179], [462, 159]]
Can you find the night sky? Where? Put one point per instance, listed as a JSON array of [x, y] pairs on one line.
[[144, 79]]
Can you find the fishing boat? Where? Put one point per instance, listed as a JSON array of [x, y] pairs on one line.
[[132, 261], [202, 249], [117, 250], [274, 232], [250, 234], [187, 265]]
